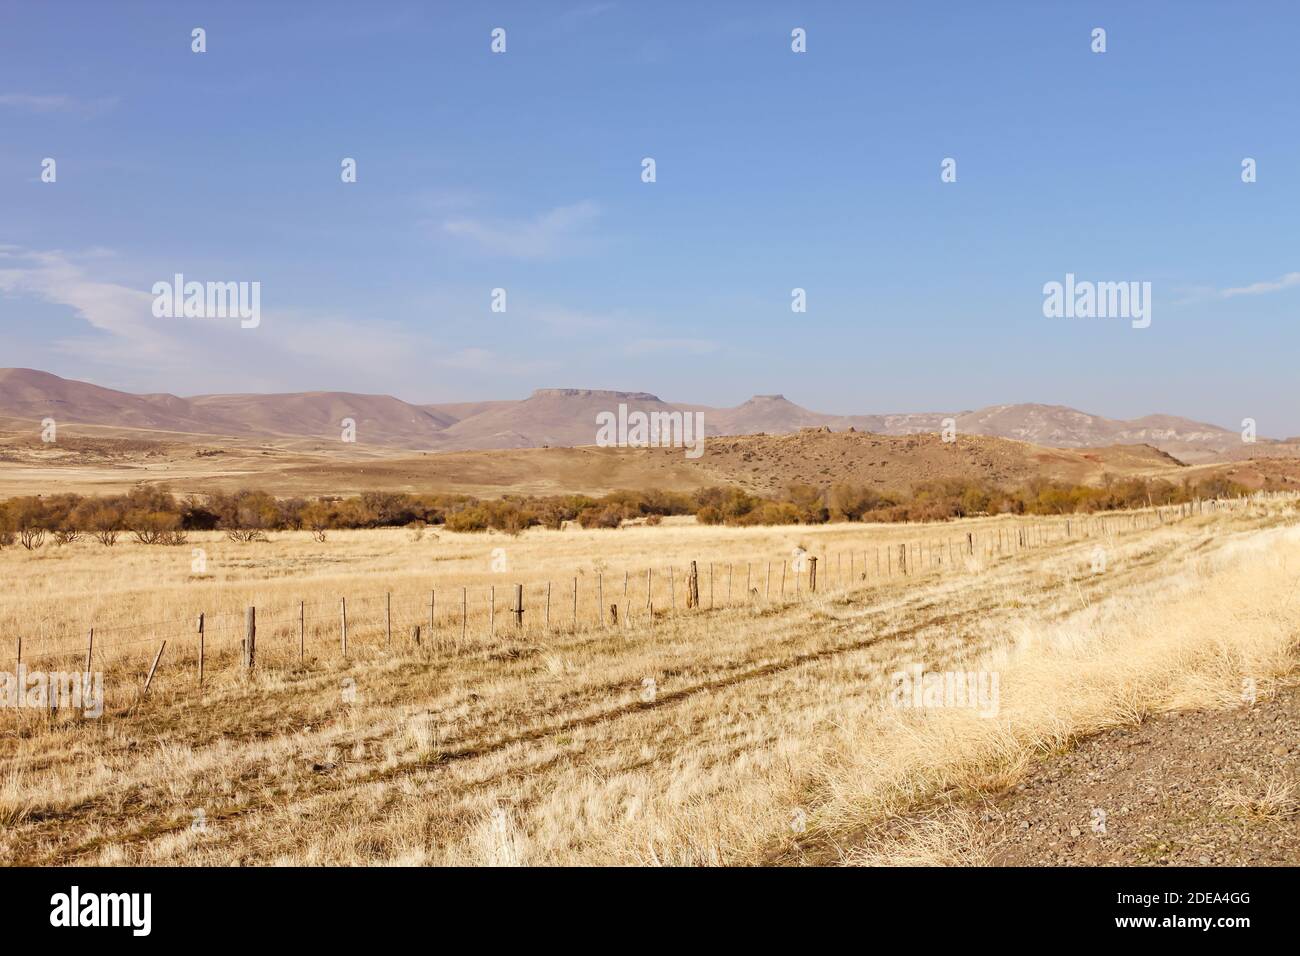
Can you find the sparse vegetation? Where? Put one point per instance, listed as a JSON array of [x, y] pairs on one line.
[[765, 708], [154, 516]]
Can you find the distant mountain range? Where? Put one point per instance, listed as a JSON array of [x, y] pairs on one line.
[[558, 417]]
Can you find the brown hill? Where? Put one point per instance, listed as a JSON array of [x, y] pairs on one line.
[[33, 395], [1063, 427], [379, 419], [566, 416], [94, 459], [550, 416]]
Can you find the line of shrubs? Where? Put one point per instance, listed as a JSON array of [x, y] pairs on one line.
[[949, 498], [156, 516]]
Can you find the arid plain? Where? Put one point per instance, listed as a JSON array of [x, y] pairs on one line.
[[400, 710]]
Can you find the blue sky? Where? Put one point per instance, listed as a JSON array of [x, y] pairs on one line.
[[775, 170]]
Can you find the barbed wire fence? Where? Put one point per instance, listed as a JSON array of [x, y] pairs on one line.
[[449, 619]]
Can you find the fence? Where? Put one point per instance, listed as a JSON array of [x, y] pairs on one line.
[[450, 619]]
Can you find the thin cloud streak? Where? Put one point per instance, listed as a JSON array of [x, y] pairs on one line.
[[1290, 280], [559, 231]]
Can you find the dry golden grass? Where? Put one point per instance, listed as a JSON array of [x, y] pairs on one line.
[[756, 732]]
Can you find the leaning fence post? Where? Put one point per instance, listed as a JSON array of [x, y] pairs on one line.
[[152, 670]]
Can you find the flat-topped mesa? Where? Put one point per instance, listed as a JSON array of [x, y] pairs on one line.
[[768, 398], [595, 393]]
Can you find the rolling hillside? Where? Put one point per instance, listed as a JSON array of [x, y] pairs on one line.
[[563, 417]]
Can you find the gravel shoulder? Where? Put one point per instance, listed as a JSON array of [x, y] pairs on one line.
[[1213, 787]]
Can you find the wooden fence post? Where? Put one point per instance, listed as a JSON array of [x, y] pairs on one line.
[[464, 612], [812, 574], [152, 670], [250, 638], [343, 624], [693, 587], [519, 606], [548, 605], [85, 682], [201, 649], [302, 630]]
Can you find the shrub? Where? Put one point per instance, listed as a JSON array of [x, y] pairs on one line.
[[609, 516], [155, 527]]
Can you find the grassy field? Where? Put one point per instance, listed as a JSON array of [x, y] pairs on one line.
[[757, 728]]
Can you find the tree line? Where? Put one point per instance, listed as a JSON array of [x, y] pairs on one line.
[[156, 516]]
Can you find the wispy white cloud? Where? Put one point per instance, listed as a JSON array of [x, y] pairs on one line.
[[559, 231], [569, 321], [291, 349], [1287, 281], [60, 278], [585, 11], [472, 358], [57, 103], [678, 346]]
